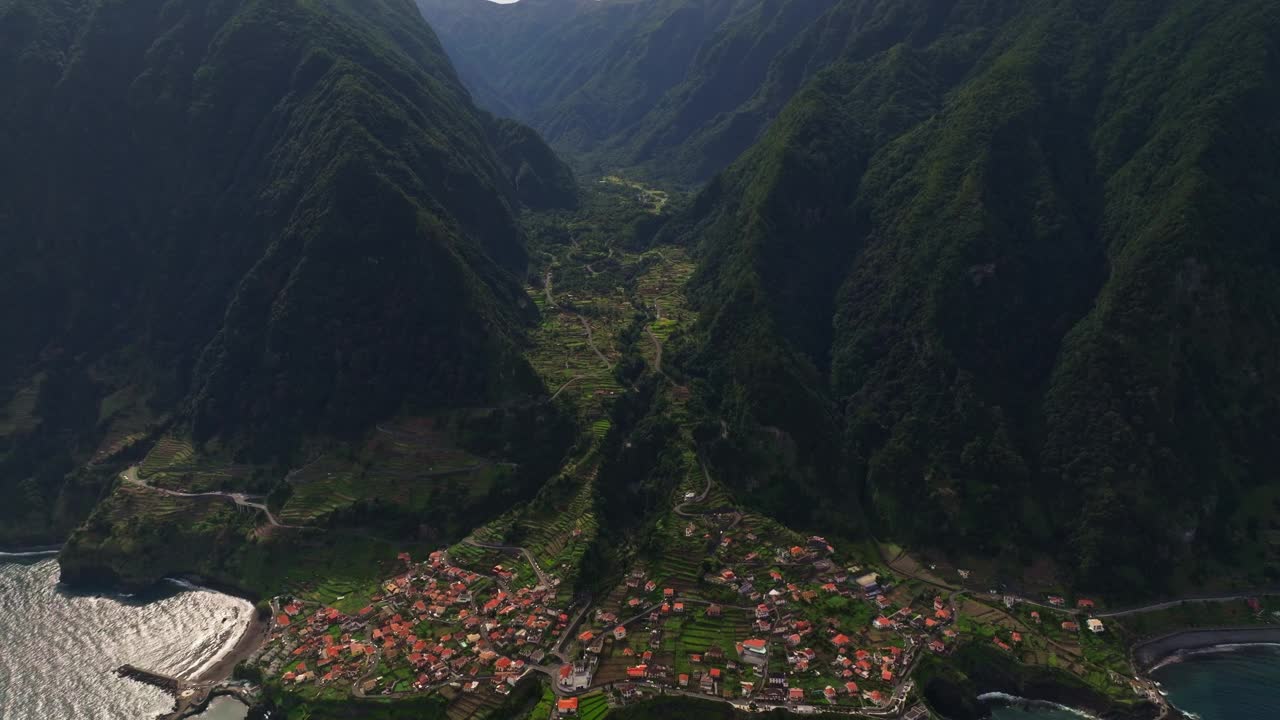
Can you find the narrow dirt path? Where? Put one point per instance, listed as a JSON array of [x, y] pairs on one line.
[[563, 387], [591, 340], [657, 345]]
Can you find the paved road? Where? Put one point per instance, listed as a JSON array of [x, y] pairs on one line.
[[680, 508], [543, 578], [1116, 612], [241, 499], [565, 386], [893, 709], [558, 648], [1175, 603], [657, 344]]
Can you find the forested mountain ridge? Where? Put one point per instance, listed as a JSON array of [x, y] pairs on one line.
[[1012, 288], [674, 88], [260, 219]]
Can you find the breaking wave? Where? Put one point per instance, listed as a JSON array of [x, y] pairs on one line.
[[1007, 699]]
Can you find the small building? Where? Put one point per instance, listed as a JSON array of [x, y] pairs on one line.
[[754, 652], [870, 583], [1095, 626], [567, 706]]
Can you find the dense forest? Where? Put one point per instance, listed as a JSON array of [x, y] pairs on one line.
[[995, 276], [1019, 286], [259, 220]]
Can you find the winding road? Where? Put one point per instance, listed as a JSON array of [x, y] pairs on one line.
[[564, 387], [680, 508], [241, 499], [591, 340], [543, 578]]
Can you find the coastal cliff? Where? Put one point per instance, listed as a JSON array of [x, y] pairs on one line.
[[952, 686]]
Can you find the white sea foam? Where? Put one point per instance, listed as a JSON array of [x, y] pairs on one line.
[[1181, 655], [1014, 699], [29, 553]]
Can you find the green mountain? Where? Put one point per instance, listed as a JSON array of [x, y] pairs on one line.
[[1003, 279], [674, 88], [255, 220]]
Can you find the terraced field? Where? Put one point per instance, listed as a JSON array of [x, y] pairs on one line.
[[484, 560], [466, 705], [557, 534], [697, 633], [680, 564], [174, 464], [569, 360], [654, 199], [409, 463], [135, 501], [168, 453], [593, 706]]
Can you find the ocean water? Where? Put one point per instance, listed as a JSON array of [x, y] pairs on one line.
[[1240, 682], [1234, 682], [59, 649]]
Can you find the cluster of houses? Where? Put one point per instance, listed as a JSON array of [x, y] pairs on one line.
[[1094, 625], [782, 626], [492, 632]]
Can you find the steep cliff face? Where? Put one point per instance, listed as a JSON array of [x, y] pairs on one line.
[[1008, 284], [263, 219]]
